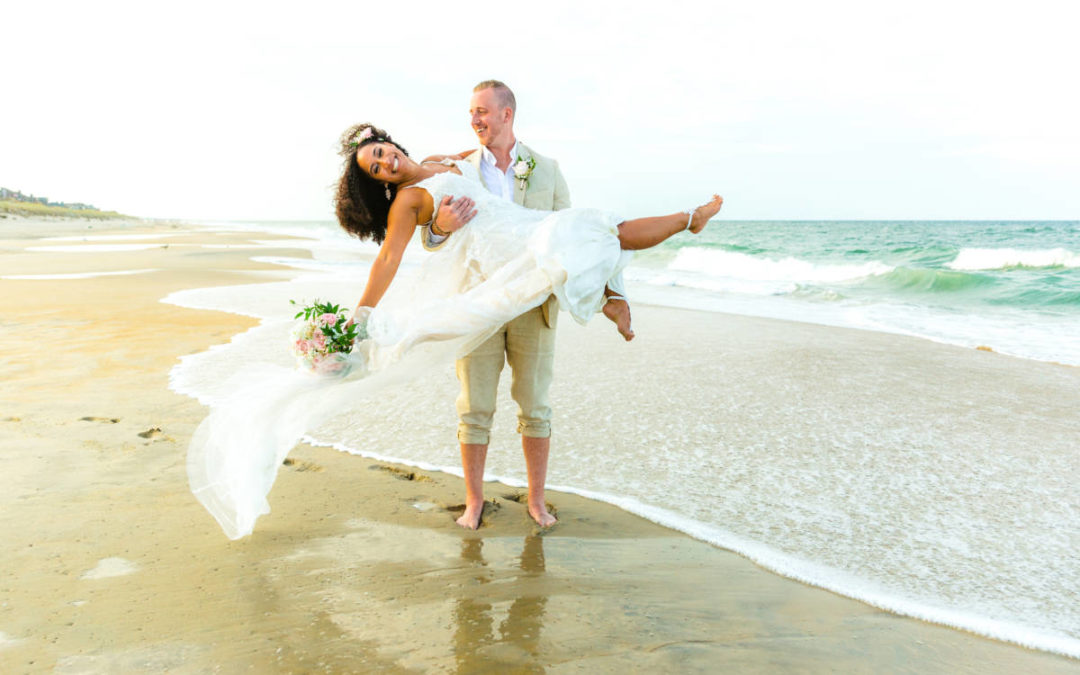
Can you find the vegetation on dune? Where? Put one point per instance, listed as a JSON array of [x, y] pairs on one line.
[[34, 209]]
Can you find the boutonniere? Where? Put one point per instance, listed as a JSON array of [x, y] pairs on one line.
[[523, 168]]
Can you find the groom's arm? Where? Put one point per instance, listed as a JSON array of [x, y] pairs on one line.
[[459, 156], [430, 240]]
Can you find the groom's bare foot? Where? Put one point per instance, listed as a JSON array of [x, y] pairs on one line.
[[703, 213], [470, 519], [619, 312], [540, 514]]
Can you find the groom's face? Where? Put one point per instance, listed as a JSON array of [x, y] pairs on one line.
[[490, 120]]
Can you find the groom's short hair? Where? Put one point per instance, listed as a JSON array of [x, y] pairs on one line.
[[506, 97]]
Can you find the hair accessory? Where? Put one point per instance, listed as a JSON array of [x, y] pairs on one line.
[[359, 139], [386, 187]]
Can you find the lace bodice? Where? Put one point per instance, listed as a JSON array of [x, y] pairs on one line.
[[499, 231]]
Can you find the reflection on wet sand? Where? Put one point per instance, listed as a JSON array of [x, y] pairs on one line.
[[477, 647]]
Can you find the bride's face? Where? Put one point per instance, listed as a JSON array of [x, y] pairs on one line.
[[383, 161]]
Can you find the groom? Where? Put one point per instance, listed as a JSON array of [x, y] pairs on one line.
[[513, 171]]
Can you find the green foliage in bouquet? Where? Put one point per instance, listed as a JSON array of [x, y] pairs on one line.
[[332, 322]]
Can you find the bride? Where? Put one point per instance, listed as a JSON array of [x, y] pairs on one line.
[[507, 260]]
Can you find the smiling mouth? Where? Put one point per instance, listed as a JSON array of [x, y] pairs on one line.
[[396, 162]]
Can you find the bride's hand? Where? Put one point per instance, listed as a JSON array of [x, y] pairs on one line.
[[453, 214], [360, 316]]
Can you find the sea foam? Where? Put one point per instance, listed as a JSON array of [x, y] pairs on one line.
[[716, 262], [94, 248], [1004, 258], [74, 275]]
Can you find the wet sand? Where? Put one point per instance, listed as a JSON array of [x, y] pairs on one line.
[[110, 565]]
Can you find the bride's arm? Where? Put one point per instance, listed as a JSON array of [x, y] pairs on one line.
[[400, 225]]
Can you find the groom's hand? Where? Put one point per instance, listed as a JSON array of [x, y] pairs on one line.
[[453, 214]]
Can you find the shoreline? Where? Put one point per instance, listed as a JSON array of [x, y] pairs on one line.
[[307, 545]]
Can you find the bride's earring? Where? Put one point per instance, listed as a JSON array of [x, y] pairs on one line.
[[386, 187]]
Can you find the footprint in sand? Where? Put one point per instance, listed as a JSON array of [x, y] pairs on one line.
[[12, 419], [6, 641], [400, 474], [523, 499], [490, 508], [110, 567], [151, 433], [302, 465], [107, 420]]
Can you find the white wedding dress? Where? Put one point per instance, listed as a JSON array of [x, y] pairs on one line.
[[507, 260]]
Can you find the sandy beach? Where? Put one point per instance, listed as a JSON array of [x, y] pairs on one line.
[[110, 565]]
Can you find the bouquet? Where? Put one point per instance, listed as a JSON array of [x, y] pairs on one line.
[[323, 340]]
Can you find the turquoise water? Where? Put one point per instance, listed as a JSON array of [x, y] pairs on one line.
[[1034, 266], [1011, 286]]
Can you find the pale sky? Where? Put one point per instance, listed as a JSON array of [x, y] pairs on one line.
[[790, 110]]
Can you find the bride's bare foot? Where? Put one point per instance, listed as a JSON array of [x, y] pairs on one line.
[[619, 312], [703, 213], [470, 519], [540, 514]]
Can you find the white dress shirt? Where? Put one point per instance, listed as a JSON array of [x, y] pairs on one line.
[[498, 182]]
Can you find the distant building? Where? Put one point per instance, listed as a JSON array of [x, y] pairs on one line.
[[18, 196]]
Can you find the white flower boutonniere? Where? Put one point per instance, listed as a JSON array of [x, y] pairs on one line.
[[523, 168]]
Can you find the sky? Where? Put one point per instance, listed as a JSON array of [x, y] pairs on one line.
[[222, 110]]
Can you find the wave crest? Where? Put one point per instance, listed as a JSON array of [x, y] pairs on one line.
[[1004, 258], [920, 280], [741, 266]]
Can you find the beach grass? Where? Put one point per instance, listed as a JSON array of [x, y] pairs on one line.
[[36, 210]]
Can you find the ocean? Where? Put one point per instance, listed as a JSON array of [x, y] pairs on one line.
[[1011, 286], [904, 515]]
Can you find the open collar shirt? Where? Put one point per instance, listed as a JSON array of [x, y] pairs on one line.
[[498, 182]]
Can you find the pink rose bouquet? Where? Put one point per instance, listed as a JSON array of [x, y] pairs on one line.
[[323, 340]]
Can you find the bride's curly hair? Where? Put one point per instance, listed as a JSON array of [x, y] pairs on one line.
[[361, 203]]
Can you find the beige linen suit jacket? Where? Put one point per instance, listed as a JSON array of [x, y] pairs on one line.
[[546, 190]]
